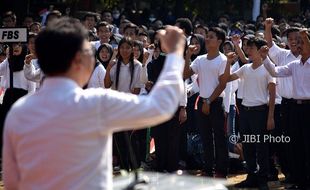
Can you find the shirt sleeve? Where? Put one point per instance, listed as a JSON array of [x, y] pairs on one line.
[[121, 111], [31, 73], [222, 66], [278, 71], [274, 53], [240, 71], [195, 65]]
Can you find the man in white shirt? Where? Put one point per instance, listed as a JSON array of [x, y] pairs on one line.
[[300, 138], [256, 115], [212, 80], [284, 88], [61, 136]]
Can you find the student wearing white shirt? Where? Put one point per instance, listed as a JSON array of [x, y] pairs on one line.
[[13, 80], [123, 74], [32, 70], [104, 54], [70, 129], [230, 97], [256, 117], [210, 114], [284, 88], [300, 137]]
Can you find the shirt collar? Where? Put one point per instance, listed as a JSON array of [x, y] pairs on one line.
[[291, 54], [59, 83]]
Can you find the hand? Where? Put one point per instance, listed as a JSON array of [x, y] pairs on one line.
[[28, 58], [115, 51], [191, 49], [268, 22], [235, 39], [151, 47], [205, 108], [270, 123], [182, 115], [145, 57], [263, 51], [112, 62], [172, 40], [231, 57]]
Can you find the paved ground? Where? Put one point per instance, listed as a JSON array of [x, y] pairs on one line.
[[233, 179]]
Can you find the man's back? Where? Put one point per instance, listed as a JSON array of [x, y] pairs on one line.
[[58, 141]]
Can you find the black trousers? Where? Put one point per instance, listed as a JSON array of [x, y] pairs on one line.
[[11, 95], [286, 161], [277, 149], [213, 134], [300, 141], [167, 144], [254, 122]]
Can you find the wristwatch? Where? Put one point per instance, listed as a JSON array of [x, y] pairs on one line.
[[206, 100]]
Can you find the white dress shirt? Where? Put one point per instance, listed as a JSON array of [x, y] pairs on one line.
[[255, 87], [282, 57], [61, 137], [97, 78], [208, 73], [19, 80], [300, 74]]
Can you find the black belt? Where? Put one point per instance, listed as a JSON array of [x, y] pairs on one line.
[[218, 99], [286, 100], [254, 108], [301, 101]]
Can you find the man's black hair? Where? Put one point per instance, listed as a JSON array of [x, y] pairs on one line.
[[58, 43], [131, 25], [220, 34], [91, 14], [185, 24], [104, 24], [291, 30], [257, 41]]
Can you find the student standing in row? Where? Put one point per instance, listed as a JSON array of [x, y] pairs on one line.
[[282, 57], [210, 114], [256, 117], [299, 70]]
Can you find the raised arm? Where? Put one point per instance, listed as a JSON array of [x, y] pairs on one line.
[[236, 41], [30, 72], [188, 72], [274, 71], [230, 59], [126, 111], [268, 35]]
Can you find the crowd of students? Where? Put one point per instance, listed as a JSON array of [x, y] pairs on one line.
[[244, 82]]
